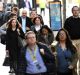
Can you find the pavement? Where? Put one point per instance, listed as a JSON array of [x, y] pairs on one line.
[[3, 69]]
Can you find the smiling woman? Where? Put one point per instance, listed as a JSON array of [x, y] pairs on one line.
[[13, 31]]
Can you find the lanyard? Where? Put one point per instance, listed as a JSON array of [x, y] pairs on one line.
[[33, 53]]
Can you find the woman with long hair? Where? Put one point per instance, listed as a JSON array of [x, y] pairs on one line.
[[45, 35], [13, 31], [66, 53]]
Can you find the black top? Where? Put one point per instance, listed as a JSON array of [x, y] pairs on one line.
[[28, 21], [12, 41], [72, 25]]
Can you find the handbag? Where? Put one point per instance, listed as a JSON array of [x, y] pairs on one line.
[[3, 39], [6, 60], [21, 42]]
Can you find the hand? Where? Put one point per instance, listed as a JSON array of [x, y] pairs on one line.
[[70, 67], [42, 51], [55, 53], [9, 20], [18, 31], [19, 24], [27, 28]]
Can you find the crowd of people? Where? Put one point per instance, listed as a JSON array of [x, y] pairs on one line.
[[39, 56]]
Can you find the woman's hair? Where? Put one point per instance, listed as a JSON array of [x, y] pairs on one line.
[[36, 18], [69, 44], [45, 27], [10, 24], [42, 22], [15, 9]]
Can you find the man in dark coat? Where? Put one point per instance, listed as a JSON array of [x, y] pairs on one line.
[[25, 21], [35, 58], [72, 25]]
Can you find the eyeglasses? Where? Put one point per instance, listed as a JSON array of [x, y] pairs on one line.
[[31, 37]]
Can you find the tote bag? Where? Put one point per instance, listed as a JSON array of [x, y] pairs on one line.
[[21, 42]]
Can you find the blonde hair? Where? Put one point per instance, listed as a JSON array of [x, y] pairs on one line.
[[29, 32]]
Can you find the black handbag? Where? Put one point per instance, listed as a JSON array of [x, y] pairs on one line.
[[21, 42], [3, 38], [6, 61]]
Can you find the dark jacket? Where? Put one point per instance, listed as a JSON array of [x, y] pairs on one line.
[[47, 41], [48, 59], [33, 29], [12, 42], [72, 25], [1, 18], [28, 21], [49, 37]]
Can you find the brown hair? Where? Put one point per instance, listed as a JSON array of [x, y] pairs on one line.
[[74, 7], [15, 9], [69, 44], [36, 18], [10, 24]]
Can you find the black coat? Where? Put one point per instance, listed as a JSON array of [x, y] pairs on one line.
[[12, 42], [48, 59], [1, 18], [72, 25], [48, 40], [28, 21]]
